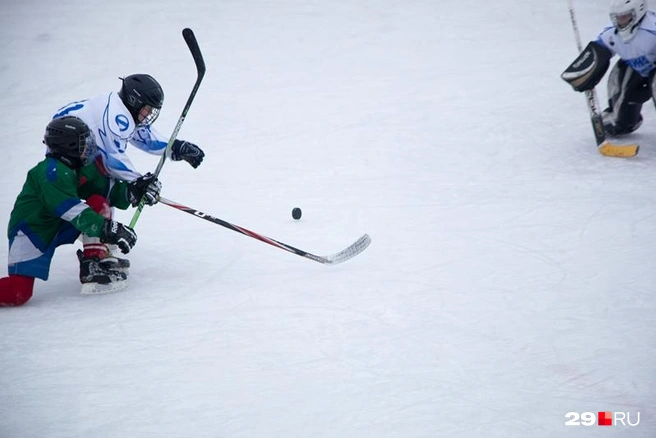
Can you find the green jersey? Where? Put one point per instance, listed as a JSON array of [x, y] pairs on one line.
[[52, 196]]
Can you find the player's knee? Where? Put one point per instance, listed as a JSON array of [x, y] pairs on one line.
[[21, 298], [100, 205], [15, 290]]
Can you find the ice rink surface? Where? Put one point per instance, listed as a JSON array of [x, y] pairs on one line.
[[511, 276]]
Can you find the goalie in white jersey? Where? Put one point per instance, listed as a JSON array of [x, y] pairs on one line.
[[632, 36], [119, 119]]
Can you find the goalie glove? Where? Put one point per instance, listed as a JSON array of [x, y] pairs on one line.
[[116, 233], [184, 150], [146, 187], [588, 68]]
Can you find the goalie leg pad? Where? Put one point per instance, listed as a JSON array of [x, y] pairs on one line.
[[652, 85], [627, 91]]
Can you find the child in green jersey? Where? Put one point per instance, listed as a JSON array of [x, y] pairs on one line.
[[50, 211]]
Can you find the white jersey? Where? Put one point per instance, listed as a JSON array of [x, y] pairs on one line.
[[640, 52], [114, 128]]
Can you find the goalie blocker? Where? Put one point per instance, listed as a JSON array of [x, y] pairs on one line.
[[588, 68]]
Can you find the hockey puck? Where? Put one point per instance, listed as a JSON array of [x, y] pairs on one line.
[[296, 213]]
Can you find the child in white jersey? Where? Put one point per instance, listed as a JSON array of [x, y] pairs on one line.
[[631, 36], [119, 119]]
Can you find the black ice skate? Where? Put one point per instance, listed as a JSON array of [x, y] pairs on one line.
[[96, 278], [615, 129], [111, 262]]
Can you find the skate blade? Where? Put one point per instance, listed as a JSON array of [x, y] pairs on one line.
[[126, 271], [101, 289], [115, 267]]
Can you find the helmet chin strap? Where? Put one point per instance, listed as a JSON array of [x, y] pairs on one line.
[[135, 115]]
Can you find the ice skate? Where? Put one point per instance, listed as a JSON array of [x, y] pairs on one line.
[[96, 278], [615, 129], [113, 262]]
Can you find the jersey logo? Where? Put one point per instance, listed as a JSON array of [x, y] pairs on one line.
[[67, 110], [122, 122], [641, 64]]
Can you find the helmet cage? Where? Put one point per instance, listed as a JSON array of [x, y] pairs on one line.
[[623, 20], [87, 147], [148, 115]]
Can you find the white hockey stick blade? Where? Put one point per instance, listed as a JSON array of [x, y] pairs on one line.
[[346, 254], [101, 289]]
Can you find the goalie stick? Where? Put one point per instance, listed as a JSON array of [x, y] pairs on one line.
[[190, 39], [347, 253], [604, 146]]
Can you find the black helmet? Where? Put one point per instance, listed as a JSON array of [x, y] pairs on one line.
[[141, 90], [70, 139]]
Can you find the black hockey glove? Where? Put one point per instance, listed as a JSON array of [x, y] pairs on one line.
[[588, 68], [118, 234], [183, 150], [146, 187]]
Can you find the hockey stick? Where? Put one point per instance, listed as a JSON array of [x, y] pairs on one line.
[[604, 146], [190, 39], [347, 253]]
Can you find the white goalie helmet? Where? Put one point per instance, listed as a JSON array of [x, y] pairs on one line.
[[626, 16]]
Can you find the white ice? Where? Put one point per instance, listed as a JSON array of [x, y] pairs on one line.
[[512, 272]]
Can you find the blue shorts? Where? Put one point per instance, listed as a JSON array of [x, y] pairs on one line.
[[30, 257]]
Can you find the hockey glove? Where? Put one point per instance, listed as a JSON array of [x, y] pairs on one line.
[[118, 234], [183, 150], [146, 187], [588, 68]]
